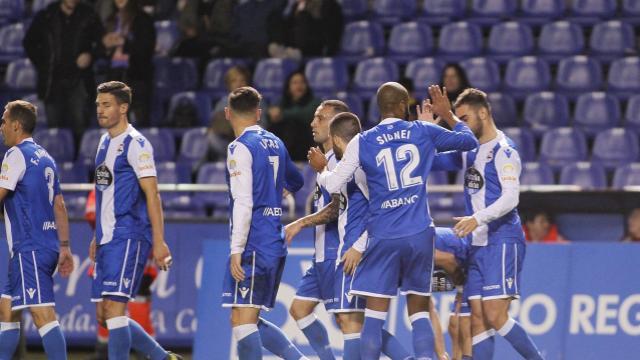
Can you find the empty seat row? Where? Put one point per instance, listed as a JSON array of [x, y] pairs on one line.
[[588, 175]]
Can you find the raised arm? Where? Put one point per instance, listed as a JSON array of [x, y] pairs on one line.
[[447, 161], [343, 172]]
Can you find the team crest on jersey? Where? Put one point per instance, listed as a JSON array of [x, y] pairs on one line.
[[473, 180], [120, 149], [317, 194], [104, 178], [490, 155]]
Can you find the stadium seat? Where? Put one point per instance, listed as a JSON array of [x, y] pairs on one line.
[[167, 34], [170, 172], [164, 146], [213, 81], [352, 100], [510, 39], [562, 146], [596, 111], [623, 78], [591, 11], [89, 147], [488, 12], [409, 41], [632, 113], [440, 12], [354, 9], [389, 12], [503, 108], [524, 140], [183, 206], [578, 74], [627, 175], [541, 11], [38, 5], [304, 196], [75, 202], [11, 11], [483, 73], [424, 72], [327, 75], [20, 76], [589, 176], [362, 40], [41, 120], [546, 110], [58, 143], [372, 73], [611, 40], [616, 147], [214, 173], [560, 39], [536, 173], [11, 39], [72, 173], [526, 75], [373, 114], [631, 12], [194, 147], [271, 74], [180, 104], [171, 76], [460, 40]]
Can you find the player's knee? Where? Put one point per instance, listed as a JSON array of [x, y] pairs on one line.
[[296, 311], [495, 319], [453, 327], [42, 316]]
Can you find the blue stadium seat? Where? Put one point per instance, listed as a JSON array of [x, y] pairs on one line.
[[58, 143], [527, 75], [373, 114], [612, 39], [354, 9], [11, 11], [183, 206], [304, 196], [503, 108], [164, 145], [213, 80], [627, 175], [41, 120], [201, 102], [585, 174], [409, 41], [389, 12], [76, 203], [214, 173], [89, 147], [72, 173], [460, 40], [488, 12], [167, 34], [623, 78], [20, 76], [592, 11], [483, 73], [271, 74], [524, 140], [510, 39], [578, 74], [11, 39], [327, 75], [441, 12], [352, 100], [596, 111], [173, 75], [536, 173], [560, 39], [38, 5], [616, 147], [372, 73], [541, 11], [424, 72], [562, 146], [194, 147], [546, 110], [361, 40], [631, 11], [169, 172], [632, 113]]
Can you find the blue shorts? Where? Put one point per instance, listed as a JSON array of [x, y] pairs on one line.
[[494, 271], [30, 281], [317, 284], [343, 301], [260, 285], [118, 269], [389, 264], [465, 309]]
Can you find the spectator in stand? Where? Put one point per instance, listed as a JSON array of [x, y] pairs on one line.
[[454, 78], [633, 227], [62, 43], [130, 43], [539, 227], [291, 119]]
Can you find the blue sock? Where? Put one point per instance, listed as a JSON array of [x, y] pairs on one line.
[[274, 340], [423, 338], [483, 345], [351, 347], [9, 339], [249, 344], [317, 336], [119, 338], [392, 347], [371, 339], [144, 343], [53, 341], [518, 338]]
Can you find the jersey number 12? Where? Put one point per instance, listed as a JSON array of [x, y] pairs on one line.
[[405, 152]]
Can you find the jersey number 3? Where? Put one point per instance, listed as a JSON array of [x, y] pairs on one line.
[[49, 176], [405, 152]]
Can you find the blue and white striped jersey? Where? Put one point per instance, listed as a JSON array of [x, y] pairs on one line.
[[352, 221], [30, 173], [121, 206], [396, 157], [258, 169], [327, 238]]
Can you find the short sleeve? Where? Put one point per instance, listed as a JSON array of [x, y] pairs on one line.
[[140, 157], [13, 169]]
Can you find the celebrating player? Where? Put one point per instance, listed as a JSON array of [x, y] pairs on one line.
[[259, 169], [129, 224], [37, 230]]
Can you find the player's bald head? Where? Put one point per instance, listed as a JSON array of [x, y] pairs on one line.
[[390, 96]]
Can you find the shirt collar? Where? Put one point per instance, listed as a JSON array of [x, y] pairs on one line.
[[252, 128], [389, 121], [30, 139], [127, 131], [499, 137]]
